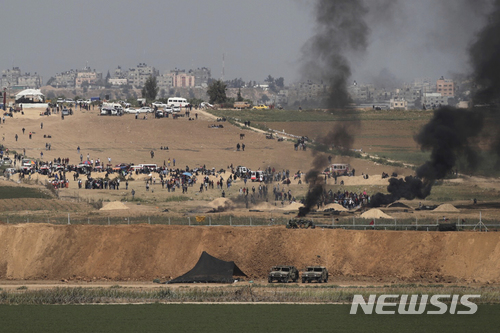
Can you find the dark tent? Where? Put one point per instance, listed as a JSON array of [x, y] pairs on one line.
[[209, 269]]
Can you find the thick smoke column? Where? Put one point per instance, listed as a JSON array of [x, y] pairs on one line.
[[340, 28], [451, 133]]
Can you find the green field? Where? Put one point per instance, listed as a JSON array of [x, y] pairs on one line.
[[232, 318]]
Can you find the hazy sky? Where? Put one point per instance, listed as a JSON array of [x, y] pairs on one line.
[[259, 37]]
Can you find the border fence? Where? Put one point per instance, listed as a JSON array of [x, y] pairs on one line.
[[352, 223]]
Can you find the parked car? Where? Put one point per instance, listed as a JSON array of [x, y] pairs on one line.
[[145, 109], [60, 101], [168, 109], [260, 107], [176, 109], [159, 105], [131, 110]]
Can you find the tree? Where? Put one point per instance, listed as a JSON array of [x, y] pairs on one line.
[[264, 98], [239, 98], [150, 89], [280, 82], [217, 92]]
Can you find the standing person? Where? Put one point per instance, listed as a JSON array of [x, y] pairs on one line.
[[243, 146], [23, 130], [41, 125], [78, 149], [133, 194], [30, 135], [174, 161], [16, 137]]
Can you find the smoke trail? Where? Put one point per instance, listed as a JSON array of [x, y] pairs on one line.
[[340, 28], [451, 133]]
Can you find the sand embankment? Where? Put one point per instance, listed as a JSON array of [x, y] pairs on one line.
[[144, 252]]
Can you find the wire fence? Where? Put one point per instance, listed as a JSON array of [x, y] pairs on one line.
[[270, 220]]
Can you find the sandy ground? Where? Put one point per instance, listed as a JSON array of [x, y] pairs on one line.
[[142, 253]]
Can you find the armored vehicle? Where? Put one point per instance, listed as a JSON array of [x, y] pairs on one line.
[[283, 274], [315, 273], [300, 223]]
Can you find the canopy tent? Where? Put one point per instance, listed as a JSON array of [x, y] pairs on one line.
[[209, 269], [34, 95]]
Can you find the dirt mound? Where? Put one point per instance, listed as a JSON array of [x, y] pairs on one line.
[[145, 252], [336, 206], [375, 214], [448, 208], [398, 204], [114, 206]]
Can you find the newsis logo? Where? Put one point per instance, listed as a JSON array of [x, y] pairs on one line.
[[390, 304]]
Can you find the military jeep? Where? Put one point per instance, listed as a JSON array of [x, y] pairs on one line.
[[283, 274], [315, 273]]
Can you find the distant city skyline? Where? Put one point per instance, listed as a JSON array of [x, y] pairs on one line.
[[258, 38]]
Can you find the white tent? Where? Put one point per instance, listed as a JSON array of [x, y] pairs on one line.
[[34, 94]]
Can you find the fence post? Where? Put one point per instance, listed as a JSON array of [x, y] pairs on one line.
[[189, 220], [108, 221], [128, 220], [395, 226], [230, 222], [68, 219], [169, 220], [27, 220], [149, 220], [210, 220], [250, 221], [7, 220], [416, 224]]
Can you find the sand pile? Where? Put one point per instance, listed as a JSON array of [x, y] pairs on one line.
[[446, 208], [114, 205], [336, 206], [292, 206], [375, 214]]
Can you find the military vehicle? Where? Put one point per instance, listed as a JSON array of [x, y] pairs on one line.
[[283, 273], [300, 223], [315, 273]]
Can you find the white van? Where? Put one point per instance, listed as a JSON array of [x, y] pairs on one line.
[[177, 101]]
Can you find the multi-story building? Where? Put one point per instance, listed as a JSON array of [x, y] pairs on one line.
[[181, 79], [137, 76], [88, 76], [409, 94], [434, 100], [29, 81], [14, 78], [119, 73], [201, 76], [445, 87], [65, 79]]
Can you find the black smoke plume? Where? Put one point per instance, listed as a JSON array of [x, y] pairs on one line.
[[452, 133], [341, 29]]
